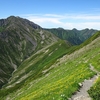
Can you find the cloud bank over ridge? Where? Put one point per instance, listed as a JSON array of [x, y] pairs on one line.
[[67, 21]]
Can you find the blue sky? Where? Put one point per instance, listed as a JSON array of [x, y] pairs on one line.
[[67, 14]]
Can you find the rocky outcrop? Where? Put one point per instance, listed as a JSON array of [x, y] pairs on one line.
[[19, 38]]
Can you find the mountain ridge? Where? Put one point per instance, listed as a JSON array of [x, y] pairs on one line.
[[59, 79], [14, 19], [74, 36], [37, 65], [19, 38]]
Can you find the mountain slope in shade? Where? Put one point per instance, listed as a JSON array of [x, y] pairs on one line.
[[19, 38], [74, 36]]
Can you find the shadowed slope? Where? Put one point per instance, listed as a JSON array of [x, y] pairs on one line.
[[19, 38], [74, 36]]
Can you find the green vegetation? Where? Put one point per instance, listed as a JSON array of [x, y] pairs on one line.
[[1, 29], [45, 67], [49, 74], [74, 36], [19, 38], [95, 90], [37, 63]]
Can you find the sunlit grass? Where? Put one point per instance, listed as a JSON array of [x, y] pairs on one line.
[[56, 79]]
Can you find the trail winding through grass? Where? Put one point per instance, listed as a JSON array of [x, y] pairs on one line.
[[82, 94]]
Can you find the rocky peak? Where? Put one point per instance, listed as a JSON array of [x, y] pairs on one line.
[[13, 21]]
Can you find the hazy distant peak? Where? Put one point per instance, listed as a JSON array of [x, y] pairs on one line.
[[74, 29]]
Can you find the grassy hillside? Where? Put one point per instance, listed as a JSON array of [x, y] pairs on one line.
[[33, 67], [47, 75], [95, 90]]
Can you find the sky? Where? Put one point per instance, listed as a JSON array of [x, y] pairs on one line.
[[67, 14]]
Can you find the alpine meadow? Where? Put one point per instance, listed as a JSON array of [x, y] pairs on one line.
[[48, 64]]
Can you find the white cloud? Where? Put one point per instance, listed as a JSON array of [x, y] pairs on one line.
[[90, 25], [43, 20], [86, 17], [79, 21]]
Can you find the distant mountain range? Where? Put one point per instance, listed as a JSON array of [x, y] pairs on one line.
[[46, 64], [74, 36]]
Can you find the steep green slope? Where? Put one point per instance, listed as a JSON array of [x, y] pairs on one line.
[[34, 67], [19, 38], [95, 90], [74, 36], [49, 78]]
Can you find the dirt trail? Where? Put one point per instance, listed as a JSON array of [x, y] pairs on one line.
[[82, 94]]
